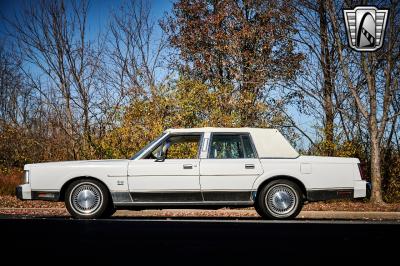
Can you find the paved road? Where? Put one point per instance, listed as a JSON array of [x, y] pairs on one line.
[[201, 241]]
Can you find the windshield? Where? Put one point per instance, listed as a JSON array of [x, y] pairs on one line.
[[146, 147]]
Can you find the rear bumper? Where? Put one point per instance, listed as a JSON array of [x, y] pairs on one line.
[[369, 190], [328, 194], [24, 192], [359, 190]]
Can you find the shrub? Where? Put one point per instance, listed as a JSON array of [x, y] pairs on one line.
[[9, 179]]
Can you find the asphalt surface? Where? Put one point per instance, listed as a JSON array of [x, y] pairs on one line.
[[141, 241]]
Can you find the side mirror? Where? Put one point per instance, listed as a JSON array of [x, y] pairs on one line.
[[160, 157], [162, 153]]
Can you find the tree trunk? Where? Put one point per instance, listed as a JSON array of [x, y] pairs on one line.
[[376, 177], [327, 86]]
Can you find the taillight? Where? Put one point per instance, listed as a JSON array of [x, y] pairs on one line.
[[362, 174]]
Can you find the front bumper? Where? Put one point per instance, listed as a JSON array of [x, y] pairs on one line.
[[23, 192]]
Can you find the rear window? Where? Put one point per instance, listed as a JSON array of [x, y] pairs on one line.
[[231, 146]]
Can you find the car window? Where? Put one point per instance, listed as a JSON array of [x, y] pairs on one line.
[[178, 147], [229, 146], [248, 148], [226, 147], [146, 147]]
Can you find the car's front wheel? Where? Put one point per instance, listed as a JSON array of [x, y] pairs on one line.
[[87, 199], [279, 199]]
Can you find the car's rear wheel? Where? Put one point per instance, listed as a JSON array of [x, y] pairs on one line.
[[279, 199], [87, 199]]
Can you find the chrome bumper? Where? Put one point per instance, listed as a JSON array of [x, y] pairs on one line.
[[360, 189], [23, 192]]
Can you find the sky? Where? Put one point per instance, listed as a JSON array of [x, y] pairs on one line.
[[98, 17], [98, 12]]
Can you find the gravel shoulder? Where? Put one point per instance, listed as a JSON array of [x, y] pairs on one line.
[[350, 210]]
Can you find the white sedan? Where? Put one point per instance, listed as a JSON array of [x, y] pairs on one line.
[[198, 167]]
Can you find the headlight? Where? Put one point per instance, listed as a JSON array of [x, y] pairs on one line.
[[26, 177]]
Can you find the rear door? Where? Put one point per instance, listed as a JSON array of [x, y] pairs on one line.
[[230, 169]]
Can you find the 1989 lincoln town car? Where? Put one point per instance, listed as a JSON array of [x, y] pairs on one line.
[[198, 167]]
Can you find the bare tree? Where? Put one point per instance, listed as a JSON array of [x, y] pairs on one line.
[[52, 39], [136, 50], [14, 95], [372, 100], [315, 86]]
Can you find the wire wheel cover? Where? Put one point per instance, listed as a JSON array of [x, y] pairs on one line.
[[281, 200], [86, 198]]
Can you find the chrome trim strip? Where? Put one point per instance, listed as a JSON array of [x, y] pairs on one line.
[[49, 195], [161, 175], [188, 190], [195, 203], [331, 188], [255, 175], [121, 196], [154, 197], [267, 158]]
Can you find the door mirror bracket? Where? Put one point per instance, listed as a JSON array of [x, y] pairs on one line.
[[160, 159]]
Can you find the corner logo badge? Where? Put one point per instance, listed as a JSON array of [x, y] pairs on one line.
[[365, 27]]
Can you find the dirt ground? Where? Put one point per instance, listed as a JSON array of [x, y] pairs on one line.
[[11, 205]]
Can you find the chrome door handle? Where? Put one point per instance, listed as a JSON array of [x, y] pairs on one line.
[[249, 166], [187, 166]]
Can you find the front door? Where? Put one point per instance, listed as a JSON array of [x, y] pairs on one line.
[[230, 169], [169, 173]]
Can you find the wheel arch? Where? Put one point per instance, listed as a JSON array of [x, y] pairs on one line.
[[285, 177], [70, 181]]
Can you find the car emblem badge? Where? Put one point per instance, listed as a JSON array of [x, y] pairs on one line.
[[365, 27]]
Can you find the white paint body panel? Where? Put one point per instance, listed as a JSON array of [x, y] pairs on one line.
[[276, 158], [313, 171], [148, 175], [228, 174], [52, 176]]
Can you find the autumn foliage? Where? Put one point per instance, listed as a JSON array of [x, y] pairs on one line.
[[67, 94], [9, 179]]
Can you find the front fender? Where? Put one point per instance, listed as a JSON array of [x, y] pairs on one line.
[[112, 182]]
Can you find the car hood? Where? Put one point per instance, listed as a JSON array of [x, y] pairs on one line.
[[77, 163]]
